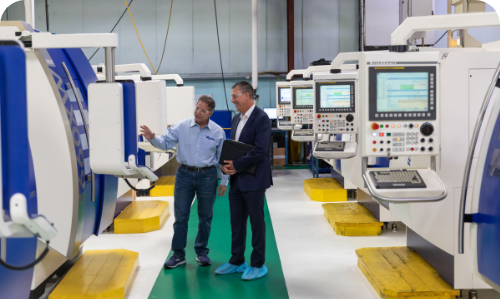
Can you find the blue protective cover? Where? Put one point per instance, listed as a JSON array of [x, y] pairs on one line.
[[488, 218], [221, 117], [17, 167], [130, 120]]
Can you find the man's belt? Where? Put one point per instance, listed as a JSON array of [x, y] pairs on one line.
[[196, 169]]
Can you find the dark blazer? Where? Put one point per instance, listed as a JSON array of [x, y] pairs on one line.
[[257, 132]]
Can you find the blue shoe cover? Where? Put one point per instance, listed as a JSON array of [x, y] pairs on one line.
[[254, 273], [228, 268]]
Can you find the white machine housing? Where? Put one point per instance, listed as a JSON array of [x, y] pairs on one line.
[[180, 104]]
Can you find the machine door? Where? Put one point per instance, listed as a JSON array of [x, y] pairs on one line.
[[488, 239]]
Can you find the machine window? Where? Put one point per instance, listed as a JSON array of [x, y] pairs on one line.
[[304, 97], [335, 96], [285, 95], [403, 92]]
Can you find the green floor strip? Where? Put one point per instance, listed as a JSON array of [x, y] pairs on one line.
[[193, 281], [291, 167]]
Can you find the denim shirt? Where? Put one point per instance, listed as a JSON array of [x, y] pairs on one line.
[[198, 148]]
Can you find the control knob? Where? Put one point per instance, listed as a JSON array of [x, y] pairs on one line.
[[426, 129], [349, 117]]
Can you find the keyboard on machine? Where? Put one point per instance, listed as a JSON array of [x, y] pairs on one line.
[[330, 146], [303, 132], [395, 179]]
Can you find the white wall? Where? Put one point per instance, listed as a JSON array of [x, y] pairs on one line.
[[323, 28], [192, 42]]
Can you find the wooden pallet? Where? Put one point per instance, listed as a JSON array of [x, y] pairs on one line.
[[352, 219], [99, 274], [399, 273], [142, 217], [164, 186], [324, 190]]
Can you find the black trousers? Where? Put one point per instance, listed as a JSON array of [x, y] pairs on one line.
[[244, 204]]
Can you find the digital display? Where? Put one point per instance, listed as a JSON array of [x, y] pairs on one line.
[[304, 97], [402, 92], [335, 96], [285, 94]]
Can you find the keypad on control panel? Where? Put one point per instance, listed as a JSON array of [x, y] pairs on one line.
[[333, 122], [387, 139], [284, 110], [303, 116]]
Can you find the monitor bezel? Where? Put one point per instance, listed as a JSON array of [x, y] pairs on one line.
[[295, 106], [335, 110], [402, 115], [279, 95]]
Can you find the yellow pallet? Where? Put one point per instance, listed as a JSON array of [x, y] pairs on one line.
[[399, 273], [142, 217], [325, 190], [99, 274], [352, 219], [164, 186]]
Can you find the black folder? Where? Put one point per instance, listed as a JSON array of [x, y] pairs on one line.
[[232, 150]]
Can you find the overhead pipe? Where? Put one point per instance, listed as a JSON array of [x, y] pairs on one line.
[[255, 61], [29, 8]]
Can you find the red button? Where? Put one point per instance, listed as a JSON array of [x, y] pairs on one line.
[[412, 148], [381, 134], [341, 129], [294, 110], [374, 142], [319, 115], [375, 126]]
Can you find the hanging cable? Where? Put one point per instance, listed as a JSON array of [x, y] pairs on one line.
[[168, 28], [130, 3], [47, 14], [28, 266], [220, 59], [138, 36], [139, 190]]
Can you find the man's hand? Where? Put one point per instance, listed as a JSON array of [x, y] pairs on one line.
[[221, 190], [146, 132], [229, 168]]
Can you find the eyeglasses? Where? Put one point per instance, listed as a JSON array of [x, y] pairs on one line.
[[201, 110], [234, 96]]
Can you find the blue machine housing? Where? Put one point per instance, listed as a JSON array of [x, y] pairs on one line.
[[17, 166], [488, 217], [98, 214]]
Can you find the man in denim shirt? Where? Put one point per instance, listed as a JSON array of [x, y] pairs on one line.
[[200, 144]]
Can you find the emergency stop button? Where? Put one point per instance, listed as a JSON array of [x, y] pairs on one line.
[[375, 126]]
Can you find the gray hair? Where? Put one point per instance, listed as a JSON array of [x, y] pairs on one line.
[[209, 101], [245, 87]]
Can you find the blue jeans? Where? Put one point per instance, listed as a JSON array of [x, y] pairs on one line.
[[188, 183]]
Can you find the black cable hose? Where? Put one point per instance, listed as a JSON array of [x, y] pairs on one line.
[[130, 3], [30, 265], [139, 190], [220, 59]]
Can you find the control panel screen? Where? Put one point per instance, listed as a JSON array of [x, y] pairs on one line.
[[335, 96], [402, 93], [406, 92], [285, 94], [303, 97]]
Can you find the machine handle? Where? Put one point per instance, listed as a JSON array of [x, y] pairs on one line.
[[379, 197], [470, 156]]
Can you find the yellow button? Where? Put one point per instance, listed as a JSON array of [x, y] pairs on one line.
[[416, 126], [399, 126], [393, 126], [399, 139], [374, 149]]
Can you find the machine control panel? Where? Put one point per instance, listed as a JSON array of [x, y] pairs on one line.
[[302, 103], [334, 107], [402, 106], [284, 105]]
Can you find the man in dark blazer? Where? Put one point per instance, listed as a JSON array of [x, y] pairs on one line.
[[246, 195]]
